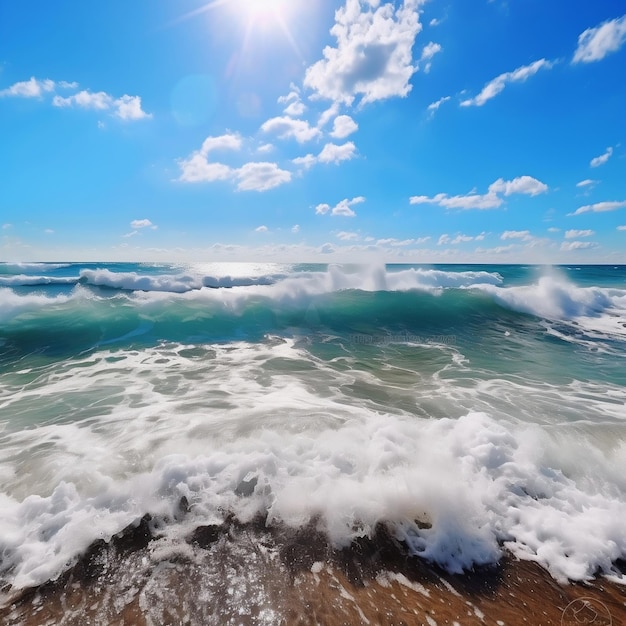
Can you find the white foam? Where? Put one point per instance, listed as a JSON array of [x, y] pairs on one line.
[[555, 298], [266, 429], [12, 304]]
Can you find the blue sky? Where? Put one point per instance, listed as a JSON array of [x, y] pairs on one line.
[[292, 130]]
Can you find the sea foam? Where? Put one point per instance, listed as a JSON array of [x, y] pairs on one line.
[[259, 429]]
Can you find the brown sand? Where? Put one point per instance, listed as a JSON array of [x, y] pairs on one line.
[[248, 574]]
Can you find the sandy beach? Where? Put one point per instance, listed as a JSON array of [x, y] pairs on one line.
[[249, 574]]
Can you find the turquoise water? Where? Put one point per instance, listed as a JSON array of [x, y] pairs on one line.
[[489, 399]]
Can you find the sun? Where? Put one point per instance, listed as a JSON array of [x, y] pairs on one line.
[[265, 14], [257, 16], [263, 8], [253, 13]]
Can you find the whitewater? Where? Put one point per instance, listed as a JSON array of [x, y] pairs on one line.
[[473, 411]]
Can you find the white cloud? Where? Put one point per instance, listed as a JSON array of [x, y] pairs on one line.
[[497, 249], [328, 114], [602, 159], [445, 239], [136, 224], [568, 246], [295, 109], [266, 147], [196, 169], [261, 229], [623, 227], [461, 239], [327, 248], [306, 161], [429, 51], [526, 185], [433, 107], [599, 207], [494, 87], [253, 176], [31, 88], [85, 100], [522, 184], [595, 43], [347, 236], [129, 108], [286, 127], [295, 228], [294, 94], [343, 126], [399, 243], [261, 176], [341, 208], [332, 153], [228, 141], [373, 56], [553, 229], [587, 183], [524, 235], [126, 107], [470, 201], [572, 234]]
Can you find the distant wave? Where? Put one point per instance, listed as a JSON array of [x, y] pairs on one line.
[[552, 298], [176, 283], [31, 267], [599, 309], [335, 279], [414, 300], [25, 280], [557, 299]]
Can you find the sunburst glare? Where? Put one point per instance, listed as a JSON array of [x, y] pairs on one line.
[[256, 15]]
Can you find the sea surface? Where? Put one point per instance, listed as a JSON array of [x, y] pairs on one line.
[[474, 411]]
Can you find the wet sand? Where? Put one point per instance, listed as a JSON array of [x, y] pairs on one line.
[[249, 575]]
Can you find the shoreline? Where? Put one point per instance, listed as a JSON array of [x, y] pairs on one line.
[[237, 573]]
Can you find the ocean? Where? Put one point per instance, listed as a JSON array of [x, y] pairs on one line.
[[474, 412]]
